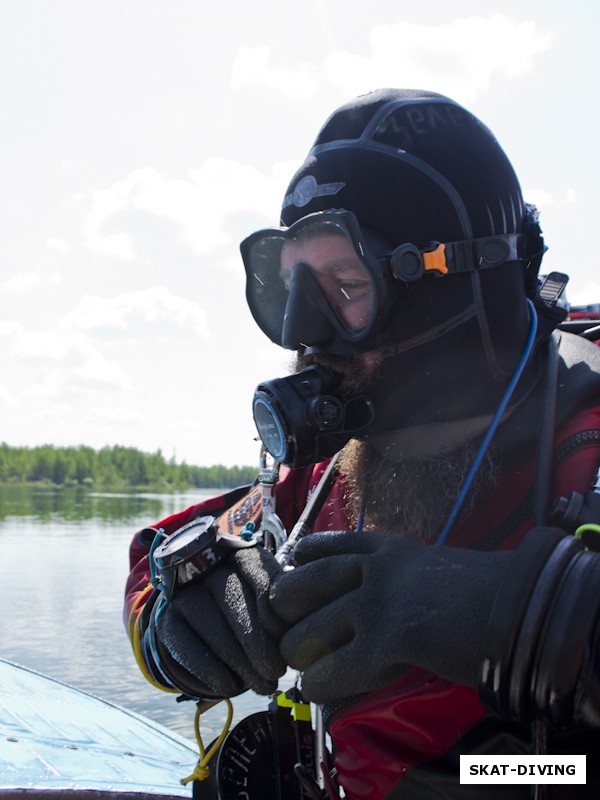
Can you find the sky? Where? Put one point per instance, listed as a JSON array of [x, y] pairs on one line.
[[142, 140]]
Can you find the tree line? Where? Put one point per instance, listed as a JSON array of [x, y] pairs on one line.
[[112, 466]]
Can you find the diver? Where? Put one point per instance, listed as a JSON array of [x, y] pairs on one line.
[[440, 604]]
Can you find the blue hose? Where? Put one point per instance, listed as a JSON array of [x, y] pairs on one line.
[[493, 425]]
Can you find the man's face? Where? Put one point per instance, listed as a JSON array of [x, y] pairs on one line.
[[343, 278], [348, 289]]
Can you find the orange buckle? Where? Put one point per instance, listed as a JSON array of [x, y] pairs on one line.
[[436, 259]]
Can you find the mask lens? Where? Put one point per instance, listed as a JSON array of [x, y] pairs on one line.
[[339, 289], [342, 275], [266, 291]]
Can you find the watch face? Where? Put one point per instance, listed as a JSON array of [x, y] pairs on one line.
[[187, 541], [256, 762]]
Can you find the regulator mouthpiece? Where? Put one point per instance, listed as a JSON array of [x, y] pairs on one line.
[[305, 418]]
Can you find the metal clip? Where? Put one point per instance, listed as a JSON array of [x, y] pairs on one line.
[[274, 532]]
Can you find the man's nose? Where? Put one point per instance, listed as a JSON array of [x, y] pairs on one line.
[[307, 316]]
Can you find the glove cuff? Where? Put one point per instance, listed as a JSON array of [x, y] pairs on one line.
[[539, 629], [161, 665]]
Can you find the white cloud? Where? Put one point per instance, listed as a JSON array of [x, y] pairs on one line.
[[57, 244], [118, 245], [58, 362], [21, 282], [98, 370], [47, 347], [539, 197], [153, 311], [199, 206], [460, 58], [542, 198], [120, 416], [589, 292], [251, 66], [230, 188], [7, 398], [25, 281], [10, 328]]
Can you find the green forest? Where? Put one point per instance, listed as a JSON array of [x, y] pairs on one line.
[[112, 466]]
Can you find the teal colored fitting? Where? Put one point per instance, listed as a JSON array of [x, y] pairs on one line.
[[248, 531]]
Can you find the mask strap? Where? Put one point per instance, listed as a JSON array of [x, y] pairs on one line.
[[493, 425]]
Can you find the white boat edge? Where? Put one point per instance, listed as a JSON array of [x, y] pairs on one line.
[[60, 741]]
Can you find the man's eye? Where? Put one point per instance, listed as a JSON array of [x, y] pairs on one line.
[[352, 290]]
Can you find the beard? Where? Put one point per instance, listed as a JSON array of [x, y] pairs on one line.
[[355, 377], [412, 498]]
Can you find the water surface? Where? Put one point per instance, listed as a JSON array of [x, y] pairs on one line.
[[64, 562]]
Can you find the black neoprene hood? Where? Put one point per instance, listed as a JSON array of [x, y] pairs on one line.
[[416, 167], [413, 165]]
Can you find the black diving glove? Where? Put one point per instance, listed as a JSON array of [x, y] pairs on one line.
[[218, 636], [363, 607]]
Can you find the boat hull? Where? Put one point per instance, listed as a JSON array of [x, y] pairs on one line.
[[61, 742]]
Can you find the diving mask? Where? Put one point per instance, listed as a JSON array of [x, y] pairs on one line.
[[316, 281], [326, 284]]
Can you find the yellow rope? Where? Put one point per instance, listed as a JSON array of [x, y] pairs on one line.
[[135, 636], [138, 600], [202, 770]]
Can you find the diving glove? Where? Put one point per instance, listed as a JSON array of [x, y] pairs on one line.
[[364, 607], [523, 627], [218, 637]]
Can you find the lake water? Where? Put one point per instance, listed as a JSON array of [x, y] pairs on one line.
[[64, 562]]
